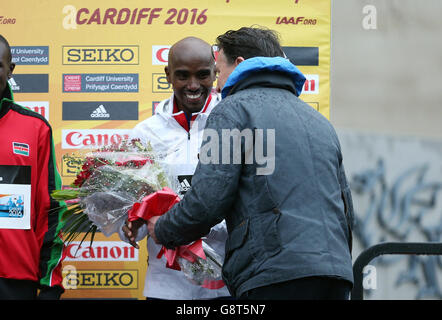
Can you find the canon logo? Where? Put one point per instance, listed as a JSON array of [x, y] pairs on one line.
[[93, 138], [41, 107], [101, 251], [311, 84], [160, 55]]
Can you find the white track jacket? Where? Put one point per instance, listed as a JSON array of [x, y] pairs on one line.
[[178, 147]]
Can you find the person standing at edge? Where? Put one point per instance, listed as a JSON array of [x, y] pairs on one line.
[[175, 134], [31, 249], [290, 228]]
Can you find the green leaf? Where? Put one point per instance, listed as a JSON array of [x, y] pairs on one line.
[[65, 194], [92, 230], [80, 221], [73, 210]]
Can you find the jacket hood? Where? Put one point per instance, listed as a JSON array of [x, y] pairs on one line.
[[260, 64]]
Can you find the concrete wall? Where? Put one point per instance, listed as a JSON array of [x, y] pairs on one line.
[[386, 102], [387, 79]]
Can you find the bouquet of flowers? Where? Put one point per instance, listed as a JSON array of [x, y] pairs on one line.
[[111, 180], [126, 180]]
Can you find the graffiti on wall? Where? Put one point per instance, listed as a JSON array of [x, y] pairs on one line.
[[404, 209]]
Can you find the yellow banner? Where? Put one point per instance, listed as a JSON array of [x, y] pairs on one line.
[[95, 69]]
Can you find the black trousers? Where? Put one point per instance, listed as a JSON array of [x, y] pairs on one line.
[[310, 288], [11, 289]]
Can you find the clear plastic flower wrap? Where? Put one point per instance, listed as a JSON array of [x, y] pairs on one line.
[[204, 272], [198, 261], [116, 180]]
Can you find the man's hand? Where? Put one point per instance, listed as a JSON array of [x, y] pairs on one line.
[[130, 230], [151, 228]]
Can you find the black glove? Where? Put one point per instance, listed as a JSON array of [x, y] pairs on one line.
[[50, 293]]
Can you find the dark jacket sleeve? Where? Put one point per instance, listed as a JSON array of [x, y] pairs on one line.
[[214, 188]]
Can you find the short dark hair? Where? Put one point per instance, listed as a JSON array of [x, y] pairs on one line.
[[8, 48], [249, 42]]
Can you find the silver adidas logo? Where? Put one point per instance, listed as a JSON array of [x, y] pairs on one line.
[[100, 112], [185, 186]]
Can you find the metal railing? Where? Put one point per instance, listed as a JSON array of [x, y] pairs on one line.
[[408, 248]]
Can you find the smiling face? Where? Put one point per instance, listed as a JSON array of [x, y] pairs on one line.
[[191, 71]]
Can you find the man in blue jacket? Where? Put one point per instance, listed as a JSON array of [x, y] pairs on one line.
[[271, 166]]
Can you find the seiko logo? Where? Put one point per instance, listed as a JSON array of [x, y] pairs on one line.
[[160, 83], [99, 279], [101, 251], [101, 55], [93, 138]]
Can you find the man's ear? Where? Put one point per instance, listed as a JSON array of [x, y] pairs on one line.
[[11, 69], [238, 60], [166, 70]]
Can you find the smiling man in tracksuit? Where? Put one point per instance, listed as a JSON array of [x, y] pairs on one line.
[[175, 133], [289, 227], [31, 250]]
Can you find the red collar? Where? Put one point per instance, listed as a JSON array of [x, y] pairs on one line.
[[181, 118]]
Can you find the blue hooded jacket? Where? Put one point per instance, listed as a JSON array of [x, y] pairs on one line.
[[260, 64], [289, 211]]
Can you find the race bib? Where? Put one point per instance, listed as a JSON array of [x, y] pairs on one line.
[[15, 197]]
